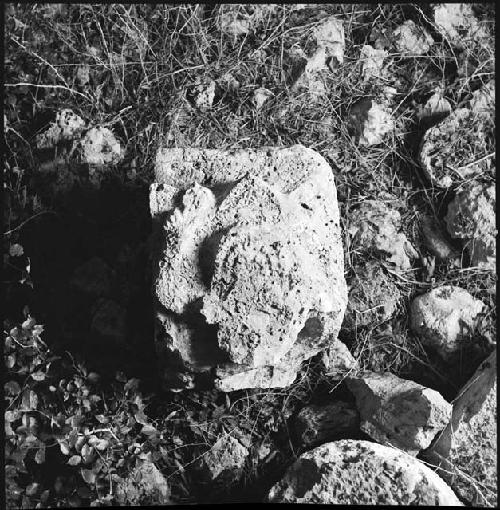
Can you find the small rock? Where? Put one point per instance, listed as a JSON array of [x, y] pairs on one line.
[[370, 121], [260, 96], [205, 95], [375, 226], [109, 320], [411, 39], [397, 412], [373, 297], [435, 239], [372, 61], [316, 424], [83, 75], [338, 361], [145, 485], [67, 126], [93, 277], [100, 147], [466, 450], [457, 22], [353, 472], [329, 35], [471, 216], [445, 319], [237, 20], [229, 82], [224, 462], [459, 147]]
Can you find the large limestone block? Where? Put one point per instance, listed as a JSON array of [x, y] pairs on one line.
[[445, 319], [466, 450], [249, 271], [352, 472], [398, 412]]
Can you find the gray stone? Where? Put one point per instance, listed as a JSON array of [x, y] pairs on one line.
[[145, 485], [338, 361], [370, 122], [412, 39], [466, 450], [250, 243], [225, 460], [471, 216], [398, 412], [445, 319], [316, 424], [376, 226], [354, 472]]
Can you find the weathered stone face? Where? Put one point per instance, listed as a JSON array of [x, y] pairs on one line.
[[249, 271], [354, 472]]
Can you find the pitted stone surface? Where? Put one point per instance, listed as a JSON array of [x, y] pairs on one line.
[[467, 448], [352, 472], [398, 412], [250, 243]]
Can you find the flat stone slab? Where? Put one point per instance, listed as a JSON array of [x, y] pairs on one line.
[[249, 264]]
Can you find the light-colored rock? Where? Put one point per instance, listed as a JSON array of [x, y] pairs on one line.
[[398, 412], [205, 95], [260, 96], [459, 147], [67, 126], [435, 239], [471, 216], [372, 61], [257, 255], [225, 460], [338, 361], [100, 147], [109, 320], [240, 19], [445, 319], [457, 22], [466, 450], [376, 226], [352, 472], [412, 39], [316, 424], [370, 122], [329, 53], [93, 277], [145, 485], [373, 297]]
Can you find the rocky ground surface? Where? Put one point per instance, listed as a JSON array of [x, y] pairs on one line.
[[250, 254]]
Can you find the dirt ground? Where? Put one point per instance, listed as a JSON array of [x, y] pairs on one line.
[[187, 76]]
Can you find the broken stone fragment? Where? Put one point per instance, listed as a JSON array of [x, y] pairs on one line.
[[372, 61], [93, 277], [457, 22], [398, 412], [67, 126], [100, 147], [329, 35], [412, 39], [459, 147], [375, 226], [370, 122], [239, 19], [466, 450], [373, 297], [354, 472], [445, 319], [145, 485], [316, 424], [436, 240], [225, 460], [249, 243], [471, 217]]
